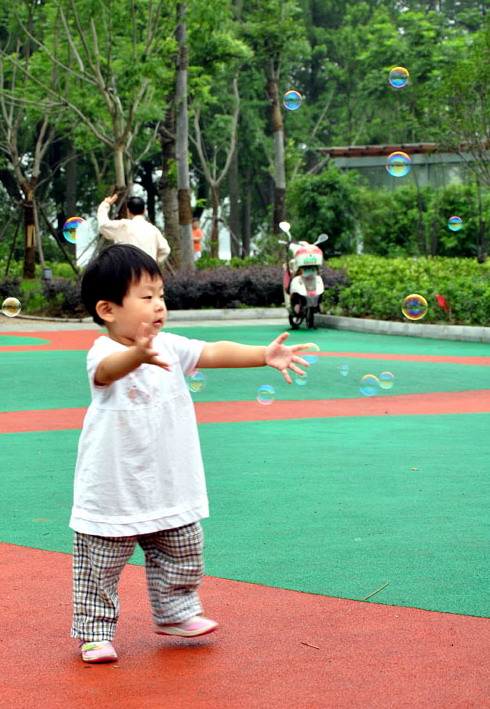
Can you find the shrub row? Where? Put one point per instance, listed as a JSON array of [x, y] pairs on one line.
[[379, 285], [355, 286], [222, 287]]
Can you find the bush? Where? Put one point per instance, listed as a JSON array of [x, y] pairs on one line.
[[223, 287], [379, 285], [59, 298]]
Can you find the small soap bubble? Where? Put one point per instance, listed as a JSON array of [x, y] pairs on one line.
[[398, 164], [344, 370], [414, 306], [196, 381], [292, 100], [266, 394], [454, 223], [300, 379], [11, 307], [398, 77], [70, 228], [369, 385], [386, 380], [309, 354]]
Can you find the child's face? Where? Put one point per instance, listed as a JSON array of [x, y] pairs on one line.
[[143, 303]]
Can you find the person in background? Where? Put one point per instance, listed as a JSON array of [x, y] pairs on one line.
[[197, 237], [136, 230]]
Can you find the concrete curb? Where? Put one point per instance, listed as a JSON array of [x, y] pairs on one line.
[[229, 314], [467, 333]]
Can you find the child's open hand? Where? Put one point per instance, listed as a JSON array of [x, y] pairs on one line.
[[284, 357], [143, 341]]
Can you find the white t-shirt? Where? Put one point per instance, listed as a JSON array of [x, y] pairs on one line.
[[139, 467]]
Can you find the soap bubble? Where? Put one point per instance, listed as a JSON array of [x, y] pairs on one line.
[[266, 394], [398, 164], [70, 228], [196, 381], [344, 370], [414, 306], [369, 385], [454, 223], [386, 380], [300, 379], [398, 77], [11, 307], [310, 358], [292, 100]]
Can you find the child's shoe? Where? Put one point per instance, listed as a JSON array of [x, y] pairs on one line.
[[101, 651], [197, 625]]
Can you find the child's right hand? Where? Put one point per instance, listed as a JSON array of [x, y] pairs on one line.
[[146, 353]]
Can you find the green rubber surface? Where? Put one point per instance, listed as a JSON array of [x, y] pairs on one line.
[[334, 506]]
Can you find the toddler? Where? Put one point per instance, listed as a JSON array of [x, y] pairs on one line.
[[139, 476]]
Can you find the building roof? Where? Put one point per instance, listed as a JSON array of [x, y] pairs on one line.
[[352, 151]]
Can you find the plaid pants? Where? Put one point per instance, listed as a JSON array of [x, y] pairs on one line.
[[174, 569]]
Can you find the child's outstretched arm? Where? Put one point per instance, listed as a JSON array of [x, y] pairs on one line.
[[118, 364], [232, 354]]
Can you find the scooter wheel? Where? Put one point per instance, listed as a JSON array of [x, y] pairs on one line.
[[310, 318], [295, 320]]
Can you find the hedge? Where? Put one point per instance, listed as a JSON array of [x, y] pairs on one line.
[[379, 285]]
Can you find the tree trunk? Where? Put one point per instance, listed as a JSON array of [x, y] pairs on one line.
[[235, 240], [182, 142], [149, 187], [214, 239], [246, 215], [272, 89], [29, 231], [119, 168], [167, 187], [71, 183]]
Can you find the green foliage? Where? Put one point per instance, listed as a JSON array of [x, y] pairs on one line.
[[325, 203], [379, 285]]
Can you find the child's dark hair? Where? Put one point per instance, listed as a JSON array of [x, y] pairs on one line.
[[136, 205], [110, 274]]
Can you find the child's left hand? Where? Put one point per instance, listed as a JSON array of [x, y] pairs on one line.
[[283, 357]]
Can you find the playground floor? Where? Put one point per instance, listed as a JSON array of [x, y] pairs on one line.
[[346, 551]]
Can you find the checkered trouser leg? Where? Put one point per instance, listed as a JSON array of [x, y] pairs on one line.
[[97, 566], [174, 569]]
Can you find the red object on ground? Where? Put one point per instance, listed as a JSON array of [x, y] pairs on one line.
[[275, 648], [442, 302]]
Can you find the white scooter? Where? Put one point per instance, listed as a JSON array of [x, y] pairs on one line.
[[302, 283]]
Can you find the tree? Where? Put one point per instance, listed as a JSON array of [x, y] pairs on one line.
[[109, 74], [213, 174], [462, 108], [274, 30]]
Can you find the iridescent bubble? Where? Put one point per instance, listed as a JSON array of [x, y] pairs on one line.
[[70, 228], [344, 370], [196, 381], [266, 394], [11, 307], [386, 380], [292, 100], [398, 77], [369, 385], [310, 358], [454, 223], [300, 379], [398, 164], [414, 306]]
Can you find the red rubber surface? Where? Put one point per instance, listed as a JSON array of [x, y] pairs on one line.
[[274, 648]]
